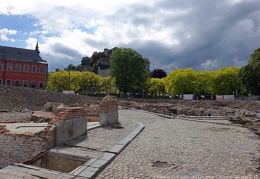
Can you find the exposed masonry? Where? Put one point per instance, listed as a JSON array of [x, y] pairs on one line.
[[109, 104], [22, 147], [19, 147]]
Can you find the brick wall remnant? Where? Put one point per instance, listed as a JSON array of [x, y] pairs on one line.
[[109, 104]]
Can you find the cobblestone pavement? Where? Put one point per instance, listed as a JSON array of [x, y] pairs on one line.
[[102, 139], [177, 148]]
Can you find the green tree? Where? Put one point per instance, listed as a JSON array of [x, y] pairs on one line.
[[58, 81], [64, 80], [155, 86], [180, 81], [85, 61], [106, 84], [70, 67], [89, 82], [226, 81], [130, 70], [158, 73], [203, 82], [249, 75], [74, 77]]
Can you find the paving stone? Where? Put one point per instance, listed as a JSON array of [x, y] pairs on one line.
[[90, 162], [92, 169], [99, 163], [186, 149], [87, 174], [117, 148], [108, 157]]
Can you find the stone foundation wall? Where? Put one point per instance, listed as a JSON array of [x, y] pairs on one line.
[[18, 148], [69, 123]]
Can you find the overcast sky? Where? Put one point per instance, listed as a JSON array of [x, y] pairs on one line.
[[198, 34]]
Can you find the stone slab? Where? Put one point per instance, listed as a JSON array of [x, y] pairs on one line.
[[117, 149], [99, 163], [108, 157], [87, 174]]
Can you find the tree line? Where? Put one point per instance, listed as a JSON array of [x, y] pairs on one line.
[[130, 74]]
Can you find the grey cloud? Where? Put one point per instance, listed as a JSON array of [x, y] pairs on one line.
[[219, 31], [208, 31], [63, 55], [62, 49]]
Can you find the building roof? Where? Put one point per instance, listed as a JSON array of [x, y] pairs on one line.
[[20, 54]]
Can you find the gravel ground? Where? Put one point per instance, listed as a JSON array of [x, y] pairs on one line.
[[15, 116], [19, 99]]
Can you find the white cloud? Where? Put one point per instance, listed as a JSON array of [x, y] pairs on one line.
[[4, 33], [173, 34], [233, 2]]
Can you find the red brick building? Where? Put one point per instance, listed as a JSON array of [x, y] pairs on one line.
[[22, 67]]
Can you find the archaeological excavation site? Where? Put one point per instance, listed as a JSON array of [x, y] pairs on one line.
[[47, 135], [44, 137]]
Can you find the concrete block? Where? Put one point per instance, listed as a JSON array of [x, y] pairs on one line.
[[108, 118], [99, 163], [87, 174], [117, 149], [78, 170], [69, 130], [92, 169], [90, 162], [126, 140], [108, 157]]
